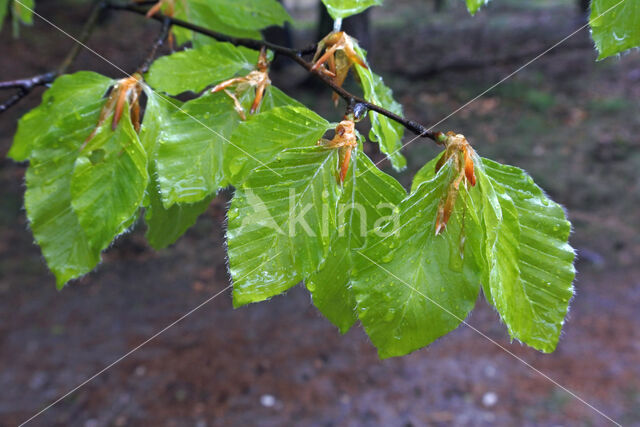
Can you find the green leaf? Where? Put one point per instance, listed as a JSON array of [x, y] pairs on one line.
[[426, 173], [265, 135], [615, 26], [536, 302], [345, 8], [193, 152], [195, 69], [527, 263], [157, 111], [191, 148], [108, 182], [281, 221], [386, 132], [474, 5], [206, 13], [250, 14], [369, 197], [410, 285], [68, 94], [165, 226], [51, 136]]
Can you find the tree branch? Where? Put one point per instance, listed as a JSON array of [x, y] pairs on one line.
[[164, 33], [294, 54], [297, 55]]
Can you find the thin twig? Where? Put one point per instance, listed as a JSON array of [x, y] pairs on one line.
[[15, 98], [164, 33]]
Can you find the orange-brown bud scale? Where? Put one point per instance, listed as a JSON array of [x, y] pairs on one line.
[[338, 57], [125, 90], [345, 140], [459, 148], [259, 78]]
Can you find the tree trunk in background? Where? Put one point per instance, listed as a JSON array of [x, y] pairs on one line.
[[584, 5], [356, 26]]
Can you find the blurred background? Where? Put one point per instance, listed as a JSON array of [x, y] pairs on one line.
[[571, 122]]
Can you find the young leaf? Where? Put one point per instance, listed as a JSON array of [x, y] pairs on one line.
[[281, 222], [108, 182], [195, 69], [251, 14], [345, 8], [196, 153], [369, 197], [544, 287], [213, 14], [411, 285], [386, 132], [51, 136], [190, 154], [615, 26], [265, 135], [474, 5], [165, 226], [156, 115], [66, 96], [527, 262]]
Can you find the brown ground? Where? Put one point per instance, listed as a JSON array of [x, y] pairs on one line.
[[571, 122]]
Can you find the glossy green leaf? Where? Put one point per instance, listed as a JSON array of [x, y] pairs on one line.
[[213, 14], [195, 69], [538, 302], [474, 5], [281, 222], [67, 94], [108, 182], [157, 111], [194, 148], [527, 263], [386, 132], [346, 8], [165, 226], [265, 135], [191, 148], [615, 26], [369, 198], [250, 14], [51, 136], [411, 286]]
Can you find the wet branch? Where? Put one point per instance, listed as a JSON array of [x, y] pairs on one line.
[[25, 86], [164, 33], [297, 55]]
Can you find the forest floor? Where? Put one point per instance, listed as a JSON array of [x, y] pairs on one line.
[[573, 123]]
